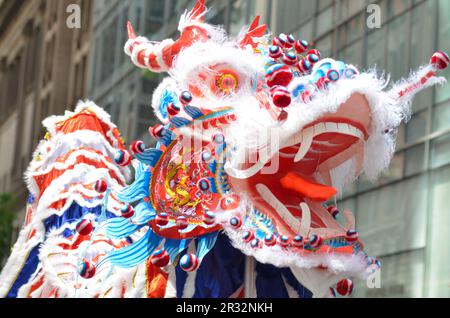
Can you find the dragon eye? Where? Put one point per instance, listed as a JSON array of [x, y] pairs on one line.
[[227, 83]]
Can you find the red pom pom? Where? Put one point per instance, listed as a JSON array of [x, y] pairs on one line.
[[334, 211], [248, 236], [351, 236], [182, 222], [86, 270], [230, 202], [440, 60], [122, 157], [315, 52], [209, 218], [127, 211], [301, 46], [235, 222], [160, 258], [278, 75], [185, 98], [156, 131], [173, 109], [315, 241], [137, 146], [344, 287], [84, 227], [290, 41], [275, 52], [304, 66], [101, 186], [281, 97], [162, 219], [290, 58]]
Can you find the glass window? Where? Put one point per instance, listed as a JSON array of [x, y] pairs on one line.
[[416, 128], [353, 54], [441, 117], [439, 229], [351, 31], [290, 15], [395, 169], [440, 151], [388, 223], [324, 45], [414, 160], [443, 94], [305, 32], [349, 204], [397, 47], [376, 47], [324, 22], [401, 135], [422, 27], [402, 275], [398, 6], [347, 8], [238, 16], [324, 3]]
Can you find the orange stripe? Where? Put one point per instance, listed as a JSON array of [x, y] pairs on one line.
[[156, 281]]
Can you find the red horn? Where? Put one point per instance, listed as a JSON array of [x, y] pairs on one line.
[[254, 31], [159, 56]]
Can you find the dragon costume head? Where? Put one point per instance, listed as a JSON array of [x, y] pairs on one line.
[[257, 136]]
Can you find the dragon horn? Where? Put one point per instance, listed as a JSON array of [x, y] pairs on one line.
[[158, 56], [423, 78], [254, 31]]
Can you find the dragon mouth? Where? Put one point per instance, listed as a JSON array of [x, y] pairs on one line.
[[292, 195]]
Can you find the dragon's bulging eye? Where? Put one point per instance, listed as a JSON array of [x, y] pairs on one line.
[[227, 83]]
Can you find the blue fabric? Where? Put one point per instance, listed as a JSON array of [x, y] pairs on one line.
[[292, 281], [205, 244], [193, 111], [269, 282], [179, 121], [174, 247], [150, 156], [73, 214], [181, 277], [135, 253], [120, 227], [139, 189], [221, 272], [25, 273]]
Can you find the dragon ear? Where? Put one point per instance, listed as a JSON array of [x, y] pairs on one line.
[[254, 31], [163, 96], [198, 12], [159, 56]]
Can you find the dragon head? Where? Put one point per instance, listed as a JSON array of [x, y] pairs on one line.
[[257, 136]]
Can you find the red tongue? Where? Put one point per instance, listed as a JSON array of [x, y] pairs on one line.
[[307, 188]]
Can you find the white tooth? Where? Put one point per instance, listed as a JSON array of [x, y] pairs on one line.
[[331, 127], [243, 174], [282, 211], [308, 135], [344, 128], [319, 129], [306, 219]]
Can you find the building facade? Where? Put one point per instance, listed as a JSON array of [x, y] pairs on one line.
[[404, 217], [43, 71]]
